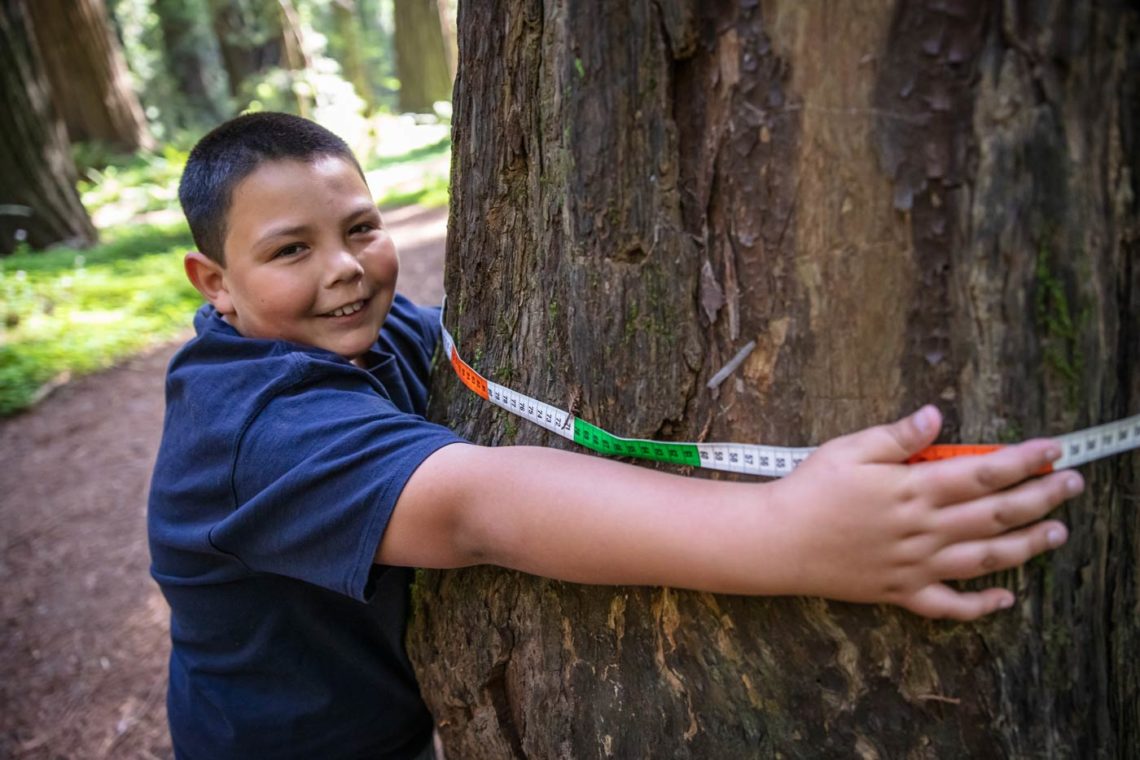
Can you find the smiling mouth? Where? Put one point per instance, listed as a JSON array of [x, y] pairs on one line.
[[346, 310]]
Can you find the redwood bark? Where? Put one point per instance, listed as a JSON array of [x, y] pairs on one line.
[[38, 200], [88, 74], [900, 202]]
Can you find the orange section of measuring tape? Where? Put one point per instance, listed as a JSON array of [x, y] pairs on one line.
[[470, 377], [950, 450]]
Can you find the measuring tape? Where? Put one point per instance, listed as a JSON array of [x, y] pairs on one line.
[[752, 459]]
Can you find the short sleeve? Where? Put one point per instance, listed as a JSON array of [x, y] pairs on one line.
[[429, 321], [316, 478]]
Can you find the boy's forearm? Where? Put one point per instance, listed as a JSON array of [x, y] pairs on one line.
[[588, 520], [583, 519]]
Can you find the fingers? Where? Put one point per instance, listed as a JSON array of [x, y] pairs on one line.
[[961, 479], [940, 601], [970, 559], [897, 441], [1001, 512]]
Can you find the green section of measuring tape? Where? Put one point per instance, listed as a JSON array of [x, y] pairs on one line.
[[596, 439]]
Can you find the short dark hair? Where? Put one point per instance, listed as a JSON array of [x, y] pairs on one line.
[[230, 153]]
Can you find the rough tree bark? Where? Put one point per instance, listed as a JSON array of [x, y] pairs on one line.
[[421, 55], [38, 200], [88, 74], [900, 202]]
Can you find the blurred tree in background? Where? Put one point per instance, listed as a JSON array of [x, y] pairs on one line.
[[349, 27], [38, 202], [87, 74], [422, 54], [191, 63], [111, 81], [256, 37]]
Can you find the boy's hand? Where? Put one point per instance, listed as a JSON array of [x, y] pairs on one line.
[[868, 528]]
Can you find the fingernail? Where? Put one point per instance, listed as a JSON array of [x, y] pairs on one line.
[[1074, 485], [1006, 602], [1052, 454], [924, 420], [1055, 537]]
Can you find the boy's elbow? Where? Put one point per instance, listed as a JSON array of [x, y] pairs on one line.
[[482, 532], [444, 517]]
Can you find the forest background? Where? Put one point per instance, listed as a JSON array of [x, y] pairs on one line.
[[106, 99]]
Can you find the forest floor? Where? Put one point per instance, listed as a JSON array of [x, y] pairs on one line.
[[83, 628]]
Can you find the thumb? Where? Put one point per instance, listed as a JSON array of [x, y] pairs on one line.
[[900, 440]]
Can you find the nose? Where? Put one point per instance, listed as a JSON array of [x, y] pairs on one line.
[[342, 266]]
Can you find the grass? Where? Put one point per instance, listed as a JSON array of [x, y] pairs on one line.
[[438, 149], [434, 193], [66, 312]]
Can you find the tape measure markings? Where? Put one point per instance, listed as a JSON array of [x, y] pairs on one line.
[[1077, 448]]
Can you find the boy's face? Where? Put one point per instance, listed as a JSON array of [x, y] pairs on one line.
[[307, 257]]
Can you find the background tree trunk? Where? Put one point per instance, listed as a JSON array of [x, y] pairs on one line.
[[348, 21], [192, 62], [900, 202], [88, 75], [255, 36], [38, 200], [421, 55]]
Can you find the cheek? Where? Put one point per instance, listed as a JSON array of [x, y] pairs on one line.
[[280, 296], [383, 262]]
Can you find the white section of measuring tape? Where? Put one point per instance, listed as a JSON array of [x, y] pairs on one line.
[[1077, 448], [1098, 442], [752, 459], [556, 420]]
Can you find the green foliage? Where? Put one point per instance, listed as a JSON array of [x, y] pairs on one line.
[[69, 312], [441, 148], [433, 194], [411, 164], [139, 183]]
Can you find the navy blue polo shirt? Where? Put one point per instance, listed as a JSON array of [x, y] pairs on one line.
[[279, 468]]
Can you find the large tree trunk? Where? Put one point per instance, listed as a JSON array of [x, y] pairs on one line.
[[88, 74], [38, 200], [421, 55], [899, 202]]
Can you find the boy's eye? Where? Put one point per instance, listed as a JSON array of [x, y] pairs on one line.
[[362, 227], [289, 250]]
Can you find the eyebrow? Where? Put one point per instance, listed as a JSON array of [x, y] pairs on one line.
[[297, 229]]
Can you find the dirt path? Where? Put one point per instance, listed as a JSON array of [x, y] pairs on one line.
[[83, 629]]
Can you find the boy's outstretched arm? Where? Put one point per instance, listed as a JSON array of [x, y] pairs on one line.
[[851, 523]]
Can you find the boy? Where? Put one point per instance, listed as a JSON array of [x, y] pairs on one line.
[[297, 480]]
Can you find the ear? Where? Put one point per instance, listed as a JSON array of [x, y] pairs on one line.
[[208, 276]]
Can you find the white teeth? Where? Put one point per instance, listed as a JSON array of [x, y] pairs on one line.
[[344, 311]]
